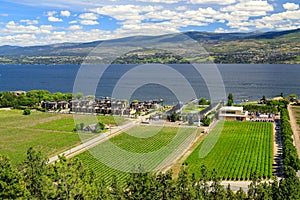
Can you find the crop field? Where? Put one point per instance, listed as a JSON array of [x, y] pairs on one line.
[[241, 148], [145, 146], [47, 132]]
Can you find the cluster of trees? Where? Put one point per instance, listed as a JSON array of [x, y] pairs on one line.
[[173, 117], [260, 108], [31, 98], [203, 101], [69, 179]]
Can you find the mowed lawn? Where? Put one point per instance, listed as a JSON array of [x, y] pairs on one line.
[[143, 146], [48, 132], [235, 151]]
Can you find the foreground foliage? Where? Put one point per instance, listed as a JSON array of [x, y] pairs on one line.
[[34, 179]]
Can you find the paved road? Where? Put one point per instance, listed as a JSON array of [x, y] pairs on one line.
[[93, 142]]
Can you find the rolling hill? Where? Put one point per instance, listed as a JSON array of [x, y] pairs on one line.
[[253, 47]]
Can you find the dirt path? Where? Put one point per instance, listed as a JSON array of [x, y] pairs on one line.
[[277, 153], [295, 128]]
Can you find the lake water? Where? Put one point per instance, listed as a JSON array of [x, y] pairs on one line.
[[244, 81]]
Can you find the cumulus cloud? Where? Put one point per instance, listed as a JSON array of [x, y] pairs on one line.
[[52, 18], [290, 6], [88, 22], [160, 1], [88, 16], [75, 27], [219, 2], [29, 22], [65, 13]]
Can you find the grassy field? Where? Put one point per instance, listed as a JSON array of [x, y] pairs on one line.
[[241, 148], [141, 146], [48, 132]]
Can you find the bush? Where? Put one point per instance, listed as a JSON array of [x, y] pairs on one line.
[[27, 111]]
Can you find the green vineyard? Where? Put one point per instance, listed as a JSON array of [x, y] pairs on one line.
[[145, 146], [241, 148]]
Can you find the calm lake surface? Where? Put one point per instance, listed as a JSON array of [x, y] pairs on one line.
[[244, 81]]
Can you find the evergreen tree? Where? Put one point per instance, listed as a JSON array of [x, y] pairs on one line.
[[115, 190], [230, 99], [183, 185], [34, 171], [240, 194], [229, 193], [11, 183], [217, 190]]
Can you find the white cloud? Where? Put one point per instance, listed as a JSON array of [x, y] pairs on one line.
[[12, 27], [88, 22], [218, 2], [88, 16], [29, 22], [290, 6], [75, 27], [51, 13], [65, 13], [126, 12], [160, 1], [73, 22], [54, 19], [4, 15]]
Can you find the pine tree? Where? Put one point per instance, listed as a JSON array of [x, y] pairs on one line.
[[11, 184], [34, 171]]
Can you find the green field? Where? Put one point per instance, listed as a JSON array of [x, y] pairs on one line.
[[47, 132], [241, 148], [151, 150]]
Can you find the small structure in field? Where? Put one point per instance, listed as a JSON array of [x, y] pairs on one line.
[[232, 113]]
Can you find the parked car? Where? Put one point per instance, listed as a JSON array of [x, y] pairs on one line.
[[277, 128]]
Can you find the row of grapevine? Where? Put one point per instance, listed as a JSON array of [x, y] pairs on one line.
[[242, 149], [159, 144]]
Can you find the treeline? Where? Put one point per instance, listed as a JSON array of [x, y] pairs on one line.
[[69, 179], [31, 98], [290, 156]]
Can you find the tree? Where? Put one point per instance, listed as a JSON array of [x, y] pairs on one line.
[[203, 101], [34, 171], [264, 99], [240, 194], [27, 111], [290, 185], [183, 184], [206, 121], [115, 189], [99, 127], [173, 117], [191, 121], [217, 190], [230, 99], [73, 181], [11, 183]]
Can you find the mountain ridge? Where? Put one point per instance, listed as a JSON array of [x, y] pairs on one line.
[[220, 45]]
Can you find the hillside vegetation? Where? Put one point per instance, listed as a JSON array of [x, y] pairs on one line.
[[271, 47]]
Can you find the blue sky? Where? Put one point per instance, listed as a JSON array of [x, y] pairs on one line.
[[33, 22]]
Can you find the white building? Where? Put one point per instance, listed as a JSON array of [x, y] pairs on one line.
[[232, 113]]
